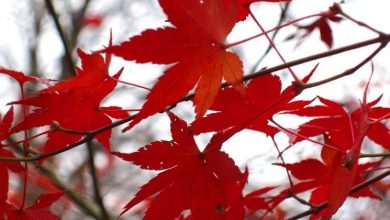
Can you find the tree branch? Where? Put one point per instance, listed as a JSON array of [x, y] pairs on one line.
[[64, 40], [95, 182], [346, 72], [385, 154]]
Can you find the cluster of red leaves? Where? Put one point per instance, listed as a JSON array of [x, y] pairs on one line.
[[73, 104], [196, 184], [38, 210], [322, 25]]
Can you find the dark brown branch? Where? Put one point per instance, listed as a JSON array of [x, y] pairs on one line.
[[64, 40], [78, 22], [381, 39], [386, 154], [95, 182], [56, 125]]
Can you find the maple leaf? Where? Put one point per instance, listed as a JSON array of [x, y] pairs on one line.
[[37, 211], [321, 177], [15, 167], [321, 24], [263, 98], [18, 76], [73, 103], [244, 5], [5, 125], [195, 47], [343, 137], [378, 132], [342, 127], [203, 182], [254, 201]]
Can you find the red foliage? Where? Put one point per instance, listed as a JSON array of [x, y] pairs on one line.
[[208, 183], [193, 183], [74, 104]]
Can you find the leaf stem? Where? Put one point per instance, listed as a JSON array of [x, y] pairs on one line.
[[284, 164], [296, 79], [271, 30], [301, 136], [133, 84], [360, 23], [274, 34]]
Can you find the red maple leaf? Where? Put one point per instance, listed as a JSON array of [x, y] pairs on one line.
[[321, 24], [73, 103], [321, 177], [5, 125], [18, 76], [343, 127], [254, 200], [15, 167], [204, 182], [195, 45], [343, 137], [37, 211], [263, 98]]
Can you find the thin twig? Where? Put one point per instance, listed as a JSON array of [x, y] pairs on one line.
[[88, 137], [302, 201], [346, 72], [64, 40], [296, 79], [303, 137], [95, 181], [283, 162], [274, 34], [279, 27], [386, 154], [78, 21], [360, 23]]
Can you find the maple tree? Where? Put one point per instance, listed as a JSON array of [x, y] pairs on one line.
[[55, 117]]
